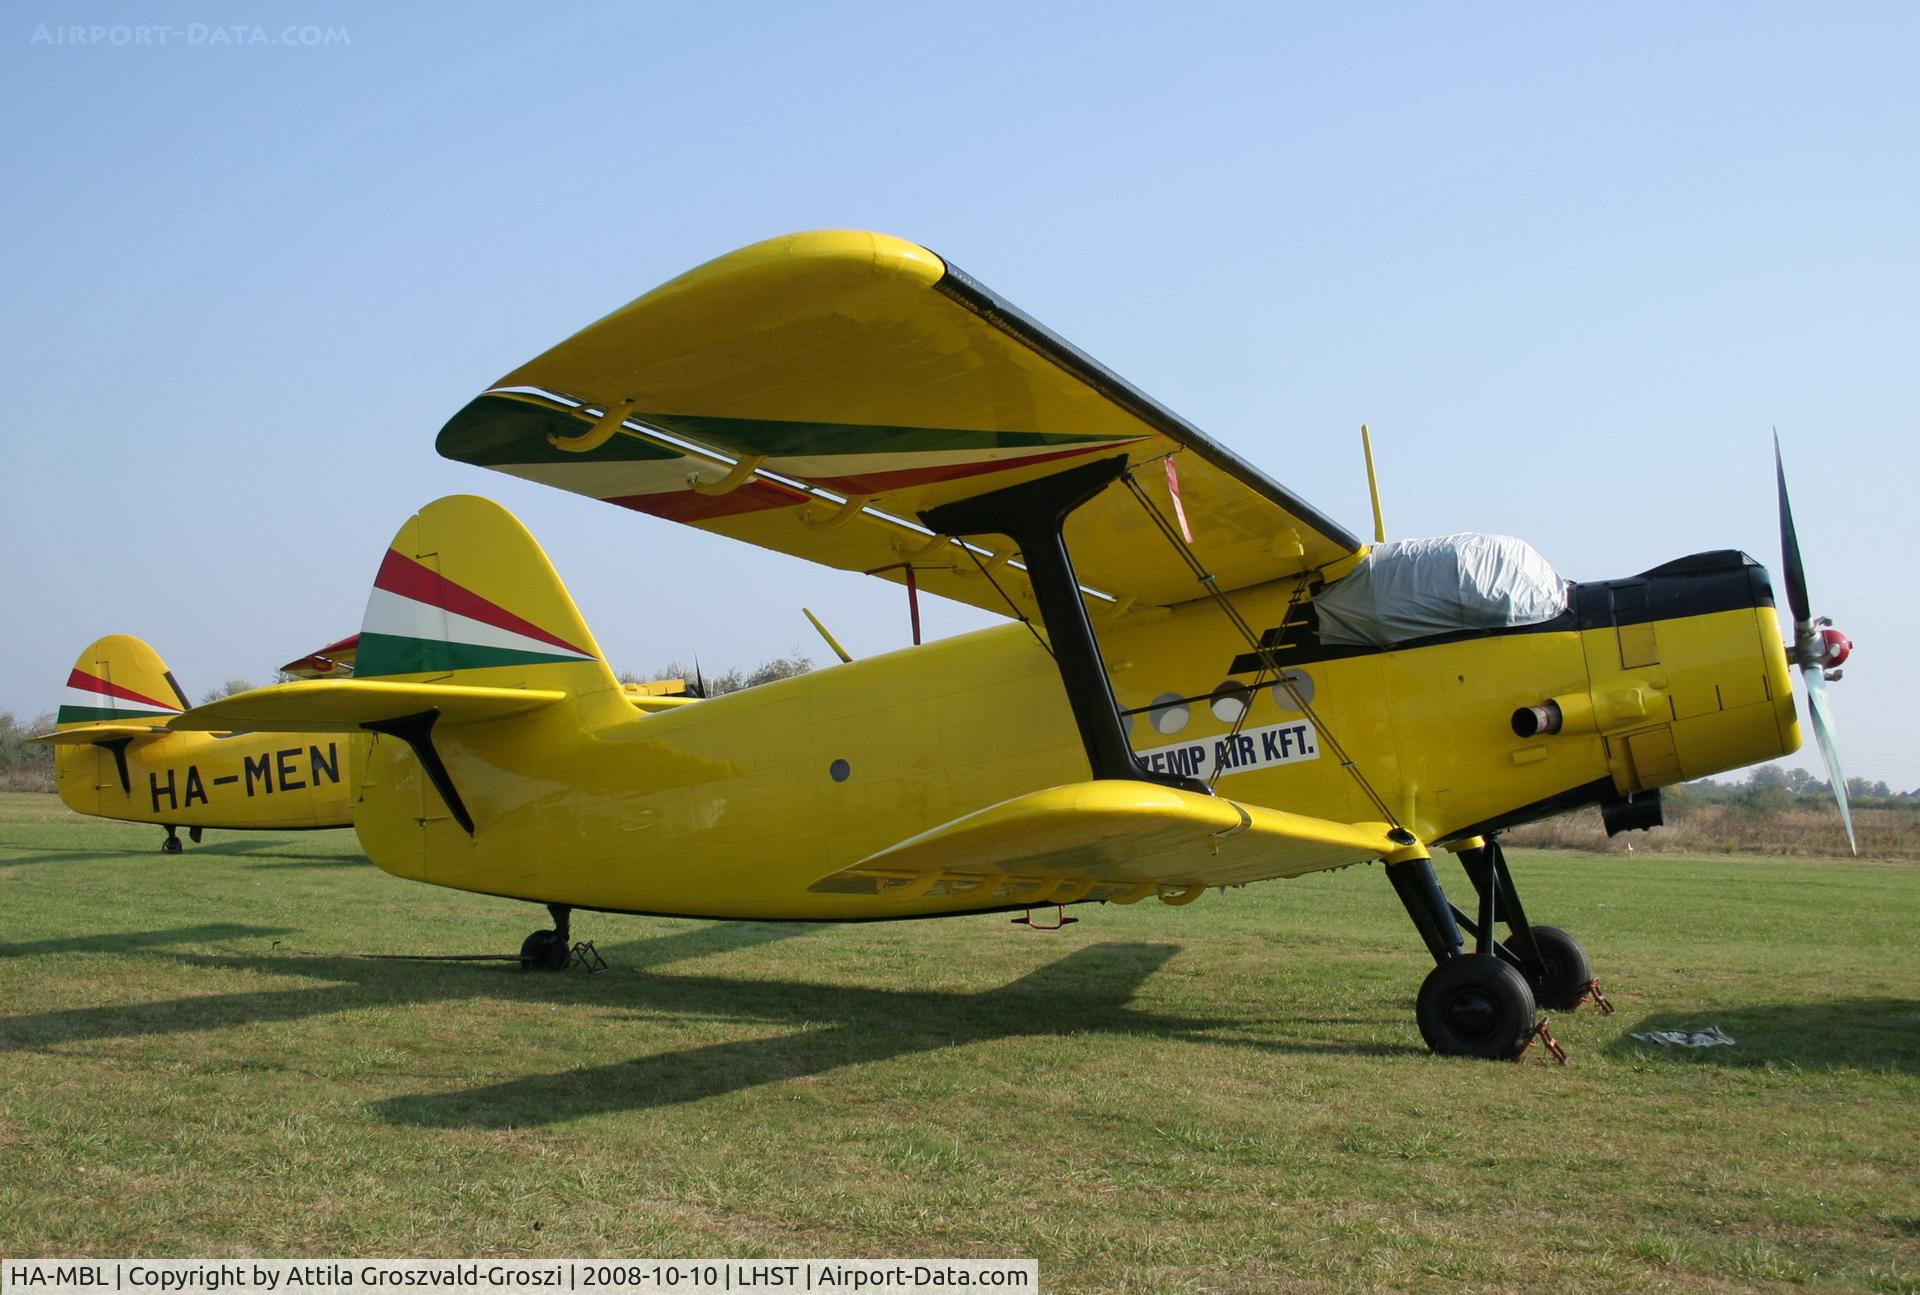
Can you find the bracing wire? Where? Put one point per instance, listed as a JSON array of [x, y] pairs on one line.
[[1212, 587], [1008, 598]]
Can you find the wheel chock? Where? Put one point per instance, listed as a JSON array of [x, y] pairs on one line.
[[1600, 1000], [1547, 1041], [587, 958]]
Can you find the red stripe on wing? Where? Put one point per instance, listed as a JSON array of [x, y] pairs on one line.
[[693, 507]]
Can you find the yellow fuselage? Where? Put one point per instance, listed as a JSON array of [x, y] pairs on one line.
[[733, 807], [277, 781]]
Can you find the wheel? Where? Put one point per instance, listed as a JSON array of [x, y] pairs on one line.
[[1564, 973], [544, 951], [171, 845], [1475, 1005]]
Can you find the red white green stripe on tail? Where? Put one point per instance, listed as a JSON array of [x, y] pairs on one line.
[[420, 622], [89, 699]]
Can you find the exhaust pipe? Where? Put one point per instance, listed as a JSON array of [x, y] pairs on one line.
[[1570, 714]]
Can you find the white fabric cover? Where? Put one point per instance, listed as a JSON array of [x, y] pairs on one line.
[[1410, 589]]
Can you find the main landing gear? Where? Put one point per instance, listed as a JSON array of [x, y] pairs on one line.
[[172, 844], [1484, 1003]]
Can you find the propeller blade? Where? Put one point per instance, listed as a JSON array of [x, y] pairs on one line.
[[1795, 573], [1829, 749]]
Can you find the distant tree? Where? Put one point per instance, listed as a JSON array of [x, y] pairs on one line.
[[733, 680], [1767, 799], [781, 667], [1768, 775], [1860, 787], [24, 766], [1682, 800], [719, 685], [1799, 781], [227, 689]]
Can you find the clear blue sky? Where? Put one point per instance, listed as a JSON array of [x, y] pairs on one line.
[[1570, 263]]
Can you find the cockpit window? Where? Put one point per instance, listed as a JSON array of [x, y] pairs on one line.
[[1413, 589]]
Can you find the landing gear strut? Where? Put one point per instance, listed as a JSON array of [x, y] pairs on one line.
[[1483, 1003], [550, 950], [172, 844]]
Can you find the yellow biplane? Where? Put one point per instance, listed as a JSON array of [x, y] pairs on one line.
[[115, 757], [1203, 681]]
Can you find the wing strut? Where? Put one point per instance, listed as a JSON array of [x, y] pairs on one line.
[[118, 746], [417, 732], [1033, 514]]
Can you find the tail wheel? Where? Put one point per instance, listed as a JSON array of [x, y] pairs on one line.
[[1564, 972], [1475, 1005], [545, 951]]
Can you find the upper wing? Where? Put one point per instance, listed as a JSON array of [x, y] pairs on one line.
[[814, 394], [1112, 839]]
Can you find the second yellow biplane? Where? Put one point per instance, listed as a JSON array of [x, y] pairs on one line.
[[1203, 682], [115, 757]]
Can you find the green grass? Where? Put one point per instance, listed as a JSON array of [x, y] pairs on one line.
[[195, 1060]]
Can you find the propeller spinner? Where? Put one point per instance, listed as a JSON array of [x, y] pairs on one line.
[[1818, 649]]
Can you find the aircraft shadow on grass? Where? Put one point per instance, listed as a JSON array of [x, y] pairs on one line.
[[280, 857], [1847, 1033], [135, 942], [274, 854], [830, 1026]]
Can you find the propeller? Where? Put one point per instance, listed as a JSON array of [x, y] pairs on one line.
[[1818, 649]]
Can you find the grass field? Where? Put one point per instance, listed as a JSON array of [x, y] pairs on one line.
[[195, 1060]]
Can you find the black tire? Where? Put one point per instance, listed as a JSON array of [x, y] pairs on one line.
[[1564, 973], [1475, 1006], [544, 951], [171, 845]]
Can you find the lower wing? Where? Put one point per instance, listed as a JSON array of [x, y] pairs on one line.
[[1113, 839]]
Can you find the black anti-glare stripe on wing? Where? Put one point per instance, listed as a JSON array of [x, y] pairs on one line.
[[1016, 323]]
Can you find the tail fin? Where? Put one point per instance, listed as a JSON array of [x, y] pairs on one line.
[[465, 591], [118, 679]]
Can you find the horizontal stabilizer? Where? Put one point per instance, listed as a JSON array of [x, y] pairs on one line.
[[93, 734], [347, 705], [1112, 839]]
